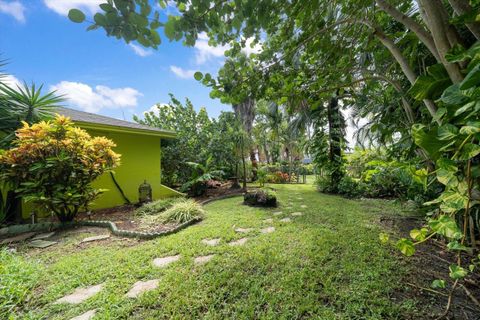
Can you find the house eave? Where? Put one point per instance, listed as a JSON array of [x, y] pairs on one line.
[[111, 128]]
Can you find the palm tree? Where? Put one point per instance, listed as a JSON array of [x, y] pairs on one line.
[[245, 111], [17, 105]]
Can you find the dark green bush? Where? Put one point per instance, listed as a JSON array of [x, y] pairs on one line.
[[261, 198]]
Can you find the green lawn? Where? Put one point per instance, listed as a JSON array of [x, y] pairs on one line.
[[326, 264]]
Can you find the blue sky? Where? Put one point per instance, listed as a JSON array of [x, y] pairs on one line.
[[97, 73]]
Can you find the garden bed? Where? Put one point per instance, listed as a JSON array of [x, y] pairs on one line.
[[125, 219]]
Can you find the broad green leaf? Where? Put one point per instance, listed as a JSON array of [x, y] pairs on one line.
[[198, 76], [446, 177], [419, 235], [447, 132], [455, 245], [472, 78], [427, 140], [406, 247], [100, 19], [383, 237], [169, 29], [438, 284], [468, 130], [465, 108], [76, 15], [453, 96], [457, 272], [445, 226], [469, 151]]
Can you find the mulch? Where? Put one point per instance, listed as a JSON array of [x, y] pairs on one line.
[[431, 261]]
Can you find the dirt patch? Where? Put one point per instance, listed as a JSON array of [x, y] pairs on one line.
[[125, 219], [431, 261], [217, 190]]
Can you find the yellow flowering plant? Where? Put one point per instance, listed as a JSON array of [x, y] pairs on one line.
[[53, 163]]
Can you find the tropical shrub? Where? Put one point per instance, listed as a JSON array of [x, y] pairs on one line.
[[157, 206], [200, 177], [260, 197], [53, 163]]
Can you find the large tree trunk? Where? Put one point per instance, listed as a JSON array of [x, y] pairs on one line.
[[253, 160], [444, 37], [335, 141], [422, 34], [265, 150], [462, 7], [403, 62]]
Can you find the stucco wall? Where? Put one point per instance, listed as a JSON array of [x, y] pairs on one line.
[[140, 160]]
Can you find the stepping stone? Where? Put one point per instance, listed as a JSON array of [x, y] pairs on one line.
[[42, 236], [18, 238], [86, 316], [81, 294], [41, 243], [211, 242], [267, 230], [239, 242], [303, 206], [286, 220], [203, 259], [270, 220], [243, 230], [96, 238], [297, 214], [299, 198], [140, 287], [277, 213], [165, 261]]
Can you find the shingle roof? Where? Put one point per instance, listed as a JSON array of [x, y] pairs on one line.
[[92, 118]]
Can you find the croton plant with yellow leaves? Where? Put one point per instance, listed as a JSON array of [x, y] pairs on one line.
[[53, 163]]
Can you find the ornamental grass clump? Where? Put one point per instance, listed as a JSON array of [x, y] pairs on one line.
[[156, 207], [53, 163], [181, 211]]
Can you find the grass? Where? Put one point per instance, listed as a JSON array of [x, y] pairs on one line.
[[326, 264]]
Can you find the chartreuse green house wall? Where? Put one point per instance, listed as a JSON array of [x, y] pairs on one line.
[[140, 152]]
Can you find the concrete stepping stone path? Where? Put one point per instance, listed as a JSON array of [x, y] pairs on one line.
[[297, 214], [165, 261], [211, 242], [286, 220], [81, 294], [243, 230], [267, 230], [277, 213], [270, 220], [18, 238], [140, 287], [42, 236], [203, 259], [239, 242], [41, 243], [303, 206], [86, 316], [96, 238]]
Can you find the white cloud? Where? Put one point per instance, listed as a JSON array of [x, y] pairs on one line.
[[140, 51], [14, 8], [155, 107], [90, 99], [182, 73], [63, 6], [257, 48], [205, 52], [11, 81]]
